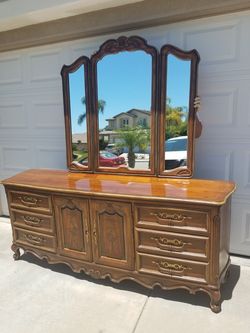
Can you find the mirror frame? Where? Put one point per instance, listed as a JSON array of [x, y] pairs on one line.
[[66, 70], [113, 46], [158, 98], [193, 124]]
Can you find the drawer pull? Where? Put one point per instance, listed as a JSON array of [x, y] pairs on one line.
[[29, 201], [86, 235], [169, 268], [32, 220], [95, 236], [170, 244], [171, 219], [35, 239]]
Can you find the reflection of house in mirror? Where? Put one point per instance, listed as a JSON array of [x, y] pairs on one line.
[[131, 118], [80, 140]]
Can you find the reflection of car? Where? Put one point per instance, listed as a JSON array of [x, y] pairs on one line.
[[107, 159], [175, 152], [112, 148]]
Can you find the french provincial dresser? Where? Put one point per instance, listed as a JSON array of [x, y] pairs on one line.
[[128, 207]]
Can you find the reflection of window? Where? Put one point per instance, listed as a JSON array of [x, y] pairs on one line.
[[111, 124], [124, 122], [142, 122]]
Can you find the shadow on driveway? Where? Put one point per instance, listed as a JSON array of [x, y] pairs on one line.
[[177, 295]]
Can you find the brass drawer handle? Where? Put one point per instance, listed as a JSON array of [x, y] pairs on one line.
[[32, 220], [171, 218], [170, 268], [29, 201], [170, 244], [35, 239]]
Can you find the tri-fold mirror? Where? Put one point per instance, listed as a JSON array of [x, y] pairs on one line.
[[130, 109]]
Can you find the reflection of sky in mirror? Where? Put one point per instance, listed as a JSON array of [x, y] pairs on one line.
[[124, 83], [178, 79], [77, 92]]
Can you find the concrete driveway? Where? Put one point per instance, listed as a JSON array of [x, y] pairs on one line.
[[39, 298]]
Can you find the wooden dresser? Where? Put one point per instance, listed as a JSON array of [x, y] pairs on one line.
[[168, 232]]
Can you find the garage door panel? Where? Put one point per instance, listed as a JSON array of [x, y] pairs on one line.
[[11, 69], [16, 157], [218, 50], [13, 115], [50, 157], [47, 114], [219, 106], [214, 163], [50, 61], [240, 228]]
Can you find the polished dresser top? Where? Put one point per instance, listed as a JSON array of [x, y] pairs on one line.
[[212, 192]]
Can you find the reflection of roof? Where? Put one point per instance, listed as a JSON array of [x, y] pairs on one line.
[[129, 113], [125, 113], [142, 111], [76, 137]]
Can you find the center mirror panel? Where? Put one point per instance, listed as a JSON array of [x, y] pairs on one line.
[[125, 107]]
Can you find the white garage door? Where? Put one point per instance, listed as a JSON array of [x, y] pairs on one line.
[[31, 109]]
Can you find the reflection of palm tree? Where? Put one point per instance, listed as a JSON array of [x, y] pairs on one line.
[[174, 116], [176, 120], [100, 108], [132, 138]]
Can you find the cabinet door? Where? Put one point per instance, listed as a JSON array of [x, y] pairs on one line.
[[72, 218], [113, 243]]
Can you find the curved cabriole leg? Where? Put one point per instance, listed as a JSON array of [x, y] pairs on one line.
[[215, 303], [16, 251]]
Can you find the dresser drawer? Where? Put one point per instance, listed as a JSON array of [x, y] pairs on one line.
[[176, 268], [35, 239], [33, 201], [32, 221], [167, 243], [172, 219]]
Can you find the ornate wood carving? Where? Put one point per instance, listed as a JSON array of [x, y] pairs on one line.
[[29, 201], [32, 220], [36, 240], [72, 218], [16, 250], [123, 43], [111, 233]]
